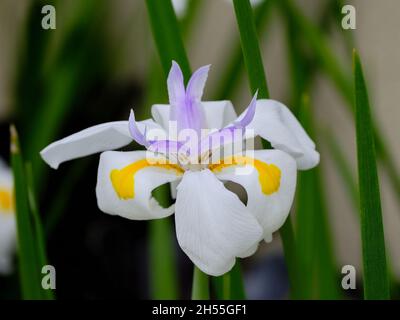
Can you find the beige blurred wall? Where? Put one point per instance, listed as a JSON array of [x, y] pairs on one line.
[[377, 39]]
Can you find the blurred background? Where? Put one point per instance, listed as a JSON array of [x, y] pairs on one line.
[[100, 61]]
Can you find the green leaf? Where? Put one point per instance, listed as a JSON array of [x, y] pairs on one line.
[[37, 226], [163, 269], [231, 76], [250, 48], [167, 35], [200, 288], [376, 285], [31, 248], [257, 79], [230, 285]]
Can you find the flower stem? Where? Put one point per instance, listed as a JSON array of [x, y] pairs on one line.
[[200, 288]]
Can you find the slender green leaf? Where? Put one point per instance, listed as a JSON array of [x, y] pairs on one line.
[[257, 79], [230, 285], [291, 257], [200, 288], [37, 225], [250, 47], [29, 233], [234, 67], [167, 35], [376, 285]]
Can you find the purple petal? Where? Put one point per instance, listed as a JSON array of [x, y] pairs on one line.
[[195, 87], [248, 117], [176, 87], [135, 132], [186, 108]]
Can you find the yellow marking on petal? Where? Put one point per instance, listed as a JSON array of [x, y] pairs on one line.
[[269, 175], [6, 201], [123, 180]]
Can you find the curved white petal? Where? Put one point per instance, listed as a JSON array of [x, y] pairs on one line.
[[217, 114], [212, 225], [102, 137], [270, 189], [274, 122], [125, 181]]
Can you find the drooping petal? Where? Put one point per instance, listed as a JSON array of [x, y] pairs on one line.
[[270, 181], [274, 122], [217, 114], [102, 137], [213, 226], [126, 179], [196, 84]]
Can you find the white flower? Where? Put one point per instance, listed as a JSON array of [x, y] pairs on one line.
[[213, 226], [180, 6], [7, 220]]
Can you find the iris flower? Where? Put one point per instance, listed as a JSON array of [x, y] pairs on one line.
[[213, 226], [7, 220]]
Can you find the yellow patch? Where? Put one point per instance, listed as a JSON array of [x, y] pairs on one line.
[[123, 180], [269, 175], [6, 200]]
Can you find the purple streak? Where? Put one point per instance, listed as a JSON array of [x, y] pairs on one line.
[[135, 132]]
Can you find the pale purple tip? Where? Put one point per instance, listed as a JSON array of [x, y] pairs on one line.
[[135, 132], [249, 115]]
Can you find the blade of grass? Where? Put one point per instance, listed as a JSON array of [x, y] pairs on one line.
[[30, 245], [255, 71], [376, 285]]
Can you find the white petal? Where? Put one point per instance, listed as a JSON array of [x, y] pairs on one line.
[[270, 208], [140, 179], [274, 122], [7, 242], [7, 223], [102, 137], [180, 7], [173, 186], [217, 114], [212, 225]]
